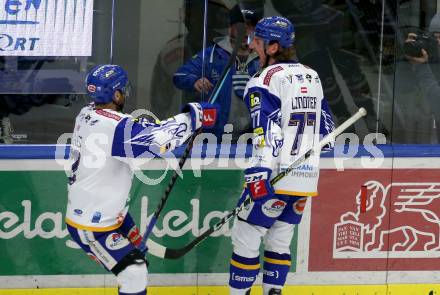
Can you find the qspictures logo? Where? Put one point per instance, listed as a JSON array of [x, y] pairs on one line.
[[46, 28]]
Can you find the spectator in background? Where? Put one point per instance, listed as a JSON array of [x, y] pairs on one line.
[[326, 44], [423, 52], [189, 76]]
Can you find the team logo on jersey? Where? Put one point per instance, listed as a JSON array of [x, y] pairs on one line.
[[116, 241], [309, 78], [300, 78], [254, 100], [273, 208], [160, 136]]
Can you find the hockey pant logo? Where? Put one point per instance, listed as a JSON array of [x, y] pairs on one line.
[[235, 277], [258, 189]]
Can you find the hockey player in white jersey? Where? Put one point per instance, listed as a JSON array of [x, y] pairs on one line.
[[289, 114], [100, 179]]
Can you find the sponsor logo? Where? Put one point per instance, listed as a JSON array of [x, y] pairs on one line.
[[96, 217], [309, 78], [78, 212], [413, 233], [298, 206], [270, 273], [273, 208], [300, 78], [254, 100], [238, 278], [317, 81], [258, 189], [109, 74], [10, 43], [31, 34], [176, 223], [116, 241], [209, 117], [281, 24]]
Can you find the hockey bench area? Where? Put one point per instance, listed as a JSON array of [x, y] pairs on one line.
[[388, 245]]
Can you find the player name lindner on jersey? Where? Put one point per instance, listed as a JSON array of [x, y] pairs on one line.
[[304, 102]]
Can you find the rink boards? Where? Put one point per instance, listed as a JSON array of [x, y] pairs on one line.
[[392, 248]]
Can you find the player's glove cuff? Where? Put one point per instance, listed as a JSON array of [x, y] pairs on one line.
[[258, 182], [203, 115]]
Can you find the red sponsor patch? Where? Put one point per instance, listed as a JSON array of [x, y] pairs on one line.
[[209, 117], [134, 236], [298, 206], [108, 115], [91, 88], [270, 73], [258, 189], [304, 89]]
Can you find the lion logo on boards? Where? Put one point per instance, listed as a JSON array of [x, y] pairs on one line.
[[415, 228]]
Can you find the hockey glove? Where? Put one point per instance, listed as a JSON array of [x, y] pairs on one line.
[[203, 115], [258, 182]]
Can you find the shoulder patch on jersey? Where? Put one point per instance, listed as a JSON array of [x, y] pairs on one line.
[[108, 115], [270, 73], [254, 100]]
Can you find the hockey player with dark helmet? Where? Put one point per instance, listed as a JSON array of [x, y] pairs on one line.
[[273, 40]]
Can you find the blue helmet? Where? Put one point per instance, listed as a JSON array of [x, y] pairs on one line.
[[104, 80], [276, 28]]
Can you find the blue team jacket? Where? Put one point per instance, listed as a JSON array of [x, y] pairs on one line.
[[216, 58]]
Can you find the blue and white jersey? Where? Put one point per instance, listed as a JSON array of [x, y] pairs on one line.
[[289, 116], [101, 175]]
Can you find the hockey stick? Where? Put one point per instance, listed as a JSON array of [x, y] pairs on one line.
[[170, 253], [212, 99]]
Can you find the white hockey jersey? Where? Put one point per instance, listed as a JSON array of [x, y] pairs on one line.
[[100, 178], [289, 116]]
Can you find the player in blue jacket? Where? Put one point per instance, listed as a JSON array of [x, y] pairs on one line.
[[189, 76], [289, 115]]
